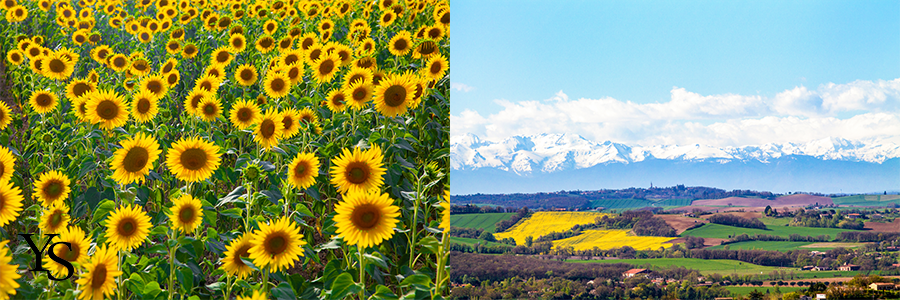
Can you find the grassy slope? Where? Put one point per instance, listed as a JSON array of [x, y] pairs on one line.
[[745, 290], [867, 200], [723, 231], [765, 245], [483, 221], [472, 242], [721, 266]]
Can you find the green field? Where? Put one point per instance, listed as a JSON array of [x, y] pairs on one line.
[[867, 200], [763, 245], [472, 242], [625, 204], [483, 221], [769, 221], [724, 232], [706, 266], [745, 290]]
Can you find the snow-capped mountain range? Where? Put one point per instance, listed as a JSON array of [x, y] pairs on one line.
[[550, 153]]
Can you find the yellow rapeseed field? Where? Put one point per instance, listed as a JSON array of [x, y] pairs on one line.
[[608, 239], [544, 222]]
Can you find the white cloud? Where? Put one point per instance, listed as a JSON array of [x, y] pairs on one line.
[[795, 115], [462, 87]]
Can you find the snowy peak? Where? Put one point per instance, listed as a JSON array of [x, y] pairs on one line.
[[548, 153]]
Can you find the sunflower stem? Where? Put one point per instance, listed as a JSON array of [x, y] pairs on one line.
[[414, 224], [265, 281], [362, 273], [172, 250]]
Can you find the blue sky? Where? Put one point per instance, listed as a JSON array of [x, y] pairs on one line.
[[747, 60]]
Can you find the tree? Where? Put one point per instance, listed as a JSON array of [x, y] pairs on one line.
[[528, 241], [756, 295], [768, 210], [487, 236]]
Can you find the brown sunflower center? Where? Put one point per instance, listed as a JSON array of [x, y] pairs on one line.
[[237, 43], [56, 65], [80, 88], [395, 95], [355, 77], [401, 45], [357, 172], [190, 49], [127, 227], [246, 75], [435, 68], [209, 109], [155, 87], [314, 55], [359, 94], [43, 100], [136, 159], [193, 159], [222, 56], [244, 251], [308, 42], [108, 110], [445, 18], [53, 189], [140, 66], [301, 169], [294, 72], [119, 62], [244, 114], [266, 42], [288, 123], [276, 244], [186, 215], [196, 100], [366, 216], [15, 56], [56, 218], [69, 255], [267, 128], [427, 48], [145, 36], [277, 85], [143, 105], [337, 100], [99, 276]]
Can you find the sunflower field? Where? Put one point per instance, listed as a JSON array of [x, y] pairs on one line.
[[224, 149]]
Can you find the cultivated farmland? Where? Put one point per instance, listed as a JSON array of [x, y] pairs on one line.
[[608, 239], [724, 232], [544, 222], [481, 221]]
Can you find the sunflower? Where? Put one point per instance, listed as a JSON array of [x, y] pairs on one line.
[[193, 159], [107, 108], [173, 77], [79, 244], [358, 171], [366, 219], [118, 62], [359, 94], [257, 295], [51, 187], [17, 14], [210, 108], [426, 49], [144, 106], [127, 227], [132, 163], [140, 66], [173, 47], [277, 85], [277, 245], [400, 44], [189, 51], [216, 71], [169, 66], [290, 119], [393, 95], [156, 85], [357, 74], [186, 213], [98, 281], [308, 40], [269, 130], [246, 75], [436, 67], [386, 19], [15, 57], [79, 107], [207, 82], [445, 212], [8, 274], [79, 87], [325, 67], [270, 26], [303, 170], [294, 72], [237, 249], [336, 100], [10, 202], [43, 101], [54, 218], [192, 101], [222, 56], [237, 42], [244, 114], [265, 44], [285, 43], [307, 116], [5, 119]]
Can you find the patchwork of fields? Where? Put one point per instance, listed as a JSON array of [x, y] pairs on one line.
[[544, 222], [481, 221], [868, 200], [724, 232], [608, 239]]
